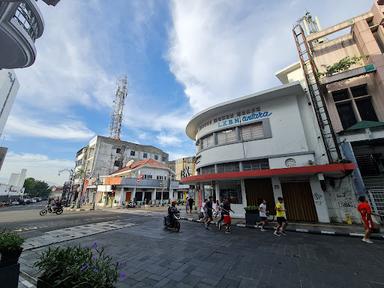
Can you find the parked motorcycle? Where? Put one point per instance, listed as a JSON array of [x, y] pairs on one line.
[[49, 209], [131, 204], [175, 224]]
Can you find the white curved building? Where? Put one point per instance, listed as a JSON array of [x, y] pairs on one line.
[[21, 23], [267, 145]]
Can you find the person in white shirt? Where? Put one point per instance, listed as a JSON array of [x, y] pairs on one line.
[[263, 215]]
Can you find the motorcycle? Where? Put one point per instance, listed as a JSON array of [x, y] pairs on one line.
[[176, 222], [131, 204], [49, 209]]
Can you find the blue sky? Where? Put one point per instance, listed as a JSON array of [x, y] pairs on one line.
[[179, 56]]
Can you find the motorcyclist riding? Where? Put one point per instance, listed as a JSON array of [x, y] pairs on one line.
[[172, 210]]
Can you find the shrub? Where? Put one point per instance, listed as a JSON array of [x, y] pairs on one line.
[[77, 267], [10, 241]]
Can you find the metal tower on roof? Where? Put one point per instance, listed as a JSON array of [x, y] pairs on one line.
[[118, 107]]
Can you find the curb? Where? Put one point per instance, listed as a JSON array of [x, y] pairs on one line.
[[301, 230]]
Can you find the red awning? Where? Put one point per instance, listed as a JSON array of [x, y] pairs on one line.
[[329, 169]]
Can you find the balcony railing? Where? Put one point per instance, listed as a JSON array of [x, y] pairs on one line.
[[27, 19]]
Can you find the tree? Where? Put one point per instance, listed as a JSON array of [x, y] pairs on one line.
[[36, 188]]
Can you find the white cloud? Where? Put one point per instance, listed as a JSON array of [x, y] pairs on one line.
[[223, 49], [68, 130], [169, 140], [38, 166], [67, 70]]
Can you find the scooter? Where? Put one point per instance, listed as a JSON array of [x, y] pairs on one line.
[[48, 209], [131, 204], [176, 222]]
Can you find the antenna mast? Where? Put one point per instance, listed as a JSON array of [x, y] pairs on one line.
[[118, 107]]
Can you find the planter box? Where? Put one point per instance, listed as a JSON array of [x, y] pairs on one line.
[[9, 276], [251, 218]]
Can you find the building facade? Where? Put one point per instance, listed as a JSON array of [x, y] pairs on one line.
[[21, 23], [148, 182], [14, 189], [267, 145], [353, 94], [104, 155], [9, 85]]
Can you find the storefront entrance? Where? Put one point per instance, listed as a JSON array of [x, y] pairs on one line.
[[298, 201], [258, 190]]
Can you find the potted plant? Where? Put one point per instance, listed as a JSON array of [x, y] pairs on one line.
[[251, 215], [76, 266], [10, 250]]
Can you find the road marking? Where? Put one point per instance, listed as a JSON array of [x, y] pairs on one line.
[[75, 232], [328, 232], [302, 230], [27, 283]]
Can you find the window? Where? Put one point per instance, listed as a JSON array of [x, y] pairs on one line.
[[160, 177], [226, 136], [156, 157], [230, 190], [133, 153], [117, 163], [146, 176], [207, 141], [359, 90], [145, 155], [252, 131], [366, 109], [346, 114], [340, 95], [228, 167], [118, 150], [208, 170], [164, 158], [256, 164], [354, 106]]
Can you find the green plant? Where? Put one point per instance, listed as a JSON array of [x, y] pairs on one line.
[[10, 241], [340, 66], [251, 208], [77, 267]]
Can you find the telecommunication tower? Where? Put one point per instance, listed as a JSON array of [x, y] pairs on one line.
[[118, 107]]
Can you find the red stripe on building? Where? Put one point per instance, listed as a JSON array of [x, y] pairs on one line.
[[303, 170]]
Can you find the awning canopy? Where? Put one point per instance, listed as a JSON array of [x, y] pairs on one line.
[[338, 169]]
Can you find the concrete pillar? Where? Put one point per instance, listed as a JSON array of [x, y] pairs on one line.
[[122, 196], [276, 186], [133, 194], [319, 199], [243, 193], [154, 195], [217, 191]]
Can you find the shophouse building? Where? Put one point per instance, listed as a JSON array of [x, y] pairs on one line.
[[103, 156], [147, 182], [263, 146], [353, 94]]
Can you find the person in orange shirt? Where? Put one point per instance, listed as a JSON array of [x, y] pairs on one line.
[[365, 210]]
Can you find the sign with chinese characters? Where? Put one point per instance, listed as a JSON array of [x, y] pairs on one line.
[[243, 119]]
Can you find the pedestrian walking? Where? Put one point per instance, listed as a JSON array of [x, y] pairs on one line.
[[187, 205], [209, 211], [190, 203], [202, 215], [280, 217], [262, 215], [366, 215], [225, 215]]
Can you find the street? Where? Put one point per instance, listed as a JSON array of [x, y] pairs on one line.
[[195, 257]]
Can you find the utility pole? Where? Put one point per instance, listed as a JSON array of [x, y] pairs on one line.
[[71, 176], [118, 107]]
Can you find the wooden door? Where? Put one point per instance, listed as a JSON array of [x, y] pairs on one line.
[[127, 196], [258, 190], [298, 202]]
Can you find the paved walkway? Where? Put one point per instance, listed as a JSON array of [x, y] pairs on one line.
[[153, 257]]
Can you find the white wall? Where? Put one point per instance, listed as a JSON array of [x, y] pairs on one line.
[[288, 136], [8, 88]]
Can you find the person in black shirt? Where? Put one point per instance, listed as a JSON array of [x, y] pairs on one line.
[[209, 209], [190, 203]]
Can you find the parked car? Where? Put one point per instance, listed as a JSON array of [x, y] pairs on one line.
[[34, 200], [27, 201], [15, 202]]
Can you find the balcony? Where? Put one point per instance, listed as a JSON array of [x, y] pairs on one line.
[[21, 23], [148, 183]]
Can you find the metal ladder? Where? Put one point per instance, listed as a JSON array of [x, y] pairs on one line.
[[317, 99]]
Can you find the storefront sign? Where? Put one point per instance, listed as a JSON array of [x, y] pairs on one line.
[[243, 119]]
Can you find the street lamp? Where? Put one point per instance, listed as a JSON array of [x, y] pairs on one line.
[[97, 183], [71, 176]]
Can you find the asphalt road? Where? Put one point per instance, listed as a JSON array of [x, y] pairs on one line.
[[153, 257], [29, 223]]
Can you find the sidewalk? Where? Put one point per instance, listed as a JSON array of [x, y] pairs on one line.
[[312, 228]]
